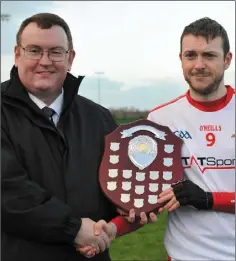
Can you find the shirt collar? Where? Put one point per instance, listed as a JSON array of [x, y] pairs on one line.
[[56, 105]]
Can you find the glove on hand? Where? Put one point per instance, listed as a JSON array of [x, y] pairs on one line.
[[188, 193]]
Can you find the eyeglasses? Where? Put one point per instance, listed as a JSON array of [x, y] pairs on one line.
[[36, 53]]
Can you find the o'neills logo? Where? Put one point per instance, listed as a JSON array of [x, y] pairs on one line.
[[210, 128]]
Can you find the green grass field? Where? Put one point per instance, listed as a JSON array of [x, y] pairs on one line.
[[143, 244]]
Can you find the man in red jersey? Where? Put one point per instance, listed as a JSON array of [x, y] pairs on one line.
[[201, 221], [202, 208]]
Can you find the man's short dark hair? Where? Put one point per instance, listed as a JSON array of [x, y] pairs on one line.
[[46, 21], [209, 29]]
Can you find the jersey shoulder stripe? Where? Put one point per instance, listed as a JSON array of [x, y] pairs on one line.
[[168, 103]]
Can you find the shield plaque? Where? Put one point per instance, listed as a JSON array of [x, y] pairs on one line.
[[141, 159]]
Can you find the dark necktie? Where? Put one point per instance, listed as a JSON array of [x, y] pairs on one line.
[[49, 113]]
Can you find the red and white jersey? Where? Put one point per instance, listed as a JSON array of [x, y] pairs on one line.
[[208, 157]]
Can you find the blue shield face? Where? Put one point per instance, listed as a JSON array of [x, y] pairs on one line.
[[142, 151]]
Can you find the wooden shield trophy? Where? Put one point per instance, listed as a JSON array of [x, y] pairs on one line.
[[141, 159]]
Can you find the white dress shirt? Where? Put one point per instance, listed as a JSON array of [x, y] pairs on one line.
[[56, 105]]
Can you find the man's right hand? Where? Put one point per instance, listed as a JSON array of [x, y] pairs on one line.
[[86, 236]]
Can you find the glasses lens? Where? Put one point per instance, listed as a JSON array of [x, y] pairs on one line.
[[33, 52], [57, 55]]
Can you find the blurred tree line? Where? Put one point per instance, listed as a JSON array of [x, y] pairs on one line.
[[127, 114]]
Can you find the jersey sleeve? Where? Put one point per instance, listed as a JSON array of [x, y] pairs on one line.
[[123, 226], [224, 201]]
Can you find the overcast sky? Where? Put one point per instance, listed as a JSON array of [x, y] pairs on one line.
[[135, 44]]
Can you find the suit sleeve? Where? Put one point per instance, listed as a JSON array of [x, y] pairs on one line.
[[28, 211], [109, 125]]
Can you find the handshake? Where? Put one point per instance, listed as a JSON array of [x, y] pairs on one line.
[[94, 238]]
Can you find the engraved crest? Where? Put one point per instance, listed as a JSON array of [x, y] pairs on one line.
[[114, 146], [139, 202], [165, 186], [140, 176], [168, 162], [114, 159], [127, 173], [126, 185], [139, 189], [112, 185], [154, 175], [113, 173], [152, 199], [167, 175], [153, 187], [169, 148], [125, 198]]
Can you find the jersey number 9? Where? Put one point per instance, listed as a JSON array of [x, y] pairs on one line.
[[211, 138]]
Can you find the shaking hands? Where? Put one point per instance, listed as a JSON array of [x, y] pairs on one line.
[[104, 233]]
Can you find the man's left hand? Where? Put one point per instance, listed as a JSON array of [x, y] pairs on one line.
[[185, 193]]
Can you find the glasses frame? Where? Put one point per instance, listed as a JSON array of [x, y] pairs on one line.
[[42, 52]]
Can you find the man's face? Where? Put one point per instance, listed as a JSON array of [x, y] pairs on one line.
[[43, 75], [203, 63]]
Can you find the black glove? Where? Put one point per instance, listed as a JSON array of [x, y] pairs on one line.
[[188, 193]]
